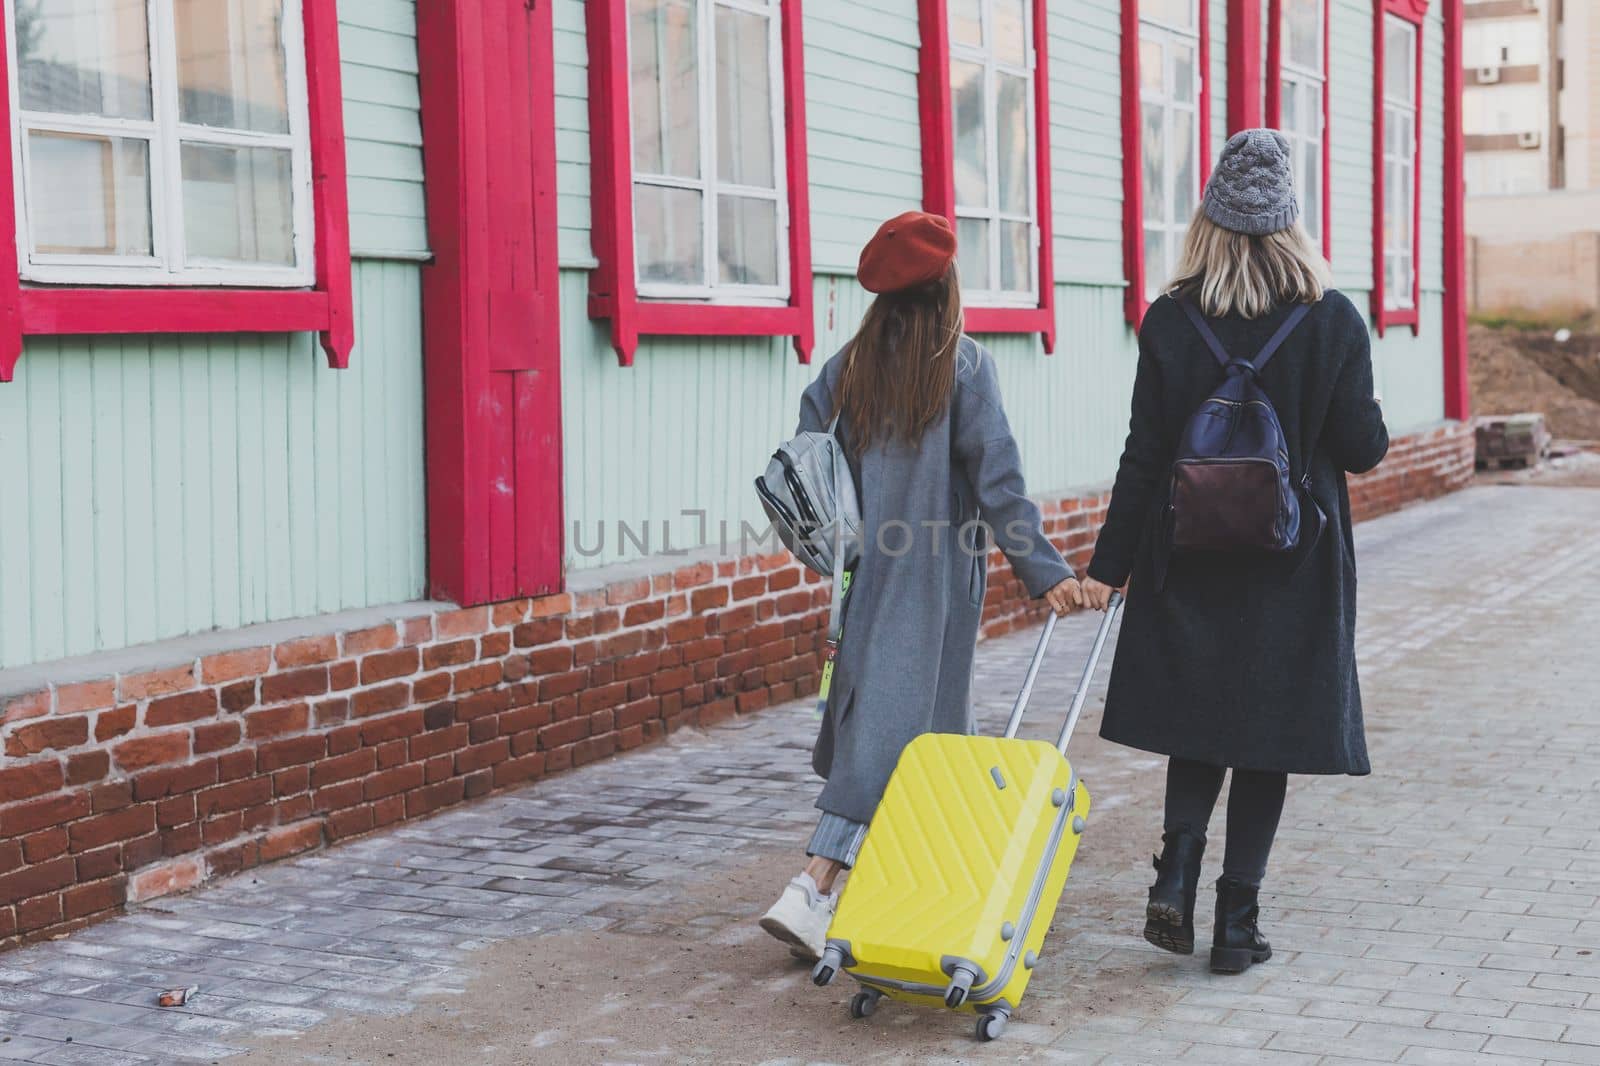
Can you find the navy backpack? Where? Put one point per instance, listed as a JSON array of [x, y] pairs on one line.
[[1232, 489]]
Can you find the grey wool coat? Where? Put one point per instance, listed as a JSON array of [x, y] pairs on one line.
[[1244, 660], [904, 665]]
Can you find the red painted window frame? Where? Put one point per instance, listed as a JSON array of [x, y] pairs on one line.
[[1134, 303], [1414, 12], [613, 290], [326, 307], [938, 162], [1275, 101]]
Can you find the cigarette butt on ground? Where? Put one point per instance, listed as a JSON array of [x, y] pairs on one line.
[[177, 997]]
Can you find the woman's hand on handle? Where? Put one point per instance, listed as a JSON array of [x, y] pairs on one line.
[[1065, 596], [1098, 595]]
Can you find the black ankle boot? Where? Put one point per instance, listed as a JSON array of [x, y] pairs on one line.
[[1169, 917], [1237, 944]]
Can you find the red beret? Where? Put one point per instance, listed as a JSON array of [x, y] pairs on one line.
[[909, 249]]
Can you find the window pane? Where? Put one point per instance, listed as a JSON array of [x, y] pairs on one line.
[[84, 57], [1185, 173], [744, 99], [972, 252], [1399, 59], [1302, 26], [1155, 162], [747, 241], [1169, 12], [1155, 263], [1012, 130], [237, 204], [668, 225], [972, 166], [1010, 32], [231, 64], [1183, 68], [665, 92], [1311, 183], [1152, 67], [1016, 256], [88, 195], [966, 23]]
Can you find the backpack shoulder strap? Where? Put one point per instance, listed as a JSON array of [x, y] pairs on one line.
[[1206, 332], [1295, 317]]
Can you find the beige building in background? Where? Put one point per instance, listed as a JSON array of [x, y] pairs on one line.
[[1531, 124]]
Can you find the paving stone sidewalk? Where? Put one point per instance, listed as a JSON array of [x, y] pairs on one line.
[[1445, 910]]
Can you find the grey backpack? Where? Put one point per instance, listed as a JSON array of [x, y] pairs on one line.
[[810, 497]]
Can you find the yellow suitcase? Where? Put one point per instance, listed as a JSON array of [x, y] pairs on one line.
[[963, 864]]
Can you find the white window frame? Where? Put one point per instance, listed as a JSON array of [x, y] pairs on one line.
[[1173, 228], [709, 185], [169, 265], [1399, 174], [1307, 128], [990, 213]]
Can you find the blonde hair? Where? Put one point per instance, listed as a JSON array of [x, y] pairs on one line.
[[1227, 272]]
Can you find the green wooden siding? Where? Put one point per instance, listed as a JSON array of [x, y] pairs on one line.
[[383, 148]]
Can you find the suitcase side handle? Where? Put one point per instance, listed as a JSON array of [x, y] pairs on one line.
[[1019, 708]]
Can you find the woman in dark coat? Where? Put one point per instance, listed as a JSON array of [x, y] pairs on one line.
[[935, 466], [1239, 660]]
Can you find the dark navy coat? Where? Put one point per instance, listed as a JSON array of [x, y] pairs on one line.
[[1244, 660]]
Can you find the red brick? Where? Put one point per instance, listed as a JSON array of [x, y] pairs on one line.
[[539, 631], [389, 664], [175, 810], [416, 630], [103, 829], [472, 678], [515, 771], [430, 688], [140, 753], [233, 765], [451, 654], [437, 741], [157, 683], [431, 797], [85, 900], [234, 796], [111, 796], [349, 823], [481, 703], [275, 721], [620, 592], [389, 782], [87, 766], [494, 645], [392, 753], [469, 621], [175, 780], [290, 752], [33, 779], [45, 845], [93, 865], [291, 840], [550, 660], [8, 922], [180, 839], [331, 711], [45, 734], [215, 736], [86, 696], [114, 723], [706, 599], [508, 613], [342, 767], [343, 675], [378, 638], [377, 700], [294, 685], [188, 707], [295, 779], [545, 606], [562, 684], [232, 665], [306, 651], [32, 705], [337, 797], [391, 727], [176, 876], [37, 913], [239, 696]]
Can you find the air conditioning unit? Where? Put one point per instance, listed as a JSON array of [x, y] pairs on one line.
[[1488, 75], [1528, 139], [1530, 5]]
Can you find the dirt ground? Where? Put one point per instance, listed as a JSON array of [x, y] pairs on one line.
[[1516, 368]]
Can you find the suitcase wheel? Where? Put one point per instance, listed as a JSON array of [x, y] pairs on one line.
[[863, 1003], [990, 1025]]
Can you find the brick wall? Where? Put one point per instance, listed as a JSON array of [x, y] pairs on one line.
[[129, 787]]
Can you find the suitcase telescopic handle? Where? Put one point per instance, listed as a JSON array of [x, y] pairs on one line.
[[1019, 708]]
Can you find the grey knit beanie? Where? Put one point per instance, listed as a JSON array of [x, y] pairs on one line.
[[1252, 189]]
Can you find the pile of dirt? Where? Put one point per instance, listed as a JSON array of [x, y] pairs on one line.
[[1525, 368]]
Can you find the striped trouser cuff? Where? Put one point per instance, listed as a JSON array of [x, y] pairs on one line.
[[837, 838]]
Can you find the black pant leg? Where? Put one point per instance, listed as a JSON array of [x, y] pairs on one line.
[[1192, 789], [1255, 803]]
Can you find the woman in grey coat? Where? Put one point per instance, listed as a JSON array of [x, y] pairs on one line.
[[1240, 660], [939, 480]]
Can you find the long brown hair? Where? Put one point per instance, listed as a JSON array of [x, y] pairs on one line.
[[901, 365]]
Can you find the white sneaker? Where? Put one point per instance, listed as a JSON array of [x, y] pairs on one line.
[[801, 917]]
